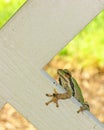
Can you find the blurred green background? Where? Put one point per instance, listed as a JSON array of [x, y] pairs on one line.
[[88, 45], [8, 8]]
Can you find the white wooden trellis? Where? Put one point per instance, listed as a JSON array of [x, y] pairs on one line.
[[28, 42]]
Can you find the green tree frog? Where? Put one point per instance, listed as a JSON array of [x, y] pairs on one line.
[[72, 89]]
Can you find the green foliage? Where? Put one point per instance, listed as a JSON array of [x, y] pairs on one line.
[[8, 8], [87, 48]]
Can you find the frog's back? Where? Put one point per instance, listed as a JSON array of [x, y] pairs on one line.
[[78, 93]]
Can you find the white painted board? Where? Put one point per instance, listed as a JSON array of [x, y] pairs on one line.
[[27, 43]]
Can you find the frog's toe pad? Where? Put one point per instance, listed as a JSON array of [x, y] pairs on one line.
[[46, 103]]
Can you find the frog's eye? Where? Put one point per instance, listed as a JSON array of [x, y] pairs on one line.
[[67, 72], [86, 104]]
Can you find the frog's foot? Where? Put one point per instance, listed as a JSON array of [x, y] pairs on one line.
[[84, 107], [54, 99]]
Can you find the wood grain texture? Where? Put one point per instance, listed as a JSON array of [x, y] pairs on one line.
[[28, 42], [2, 101], [102, 2]]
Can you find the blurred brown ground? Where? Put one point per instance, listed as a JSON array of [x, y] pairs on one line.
[[10, 119]]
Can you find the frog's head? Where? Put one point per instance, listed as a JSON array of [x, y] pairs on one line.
[[64, 73]]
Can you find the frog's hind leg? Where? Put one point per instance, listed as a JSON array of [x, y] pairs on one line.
[[84, 107]]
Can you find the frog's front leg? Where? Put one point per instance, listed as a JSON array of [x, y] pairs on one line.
[[56, 96], [85, 106], [54, 99]]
